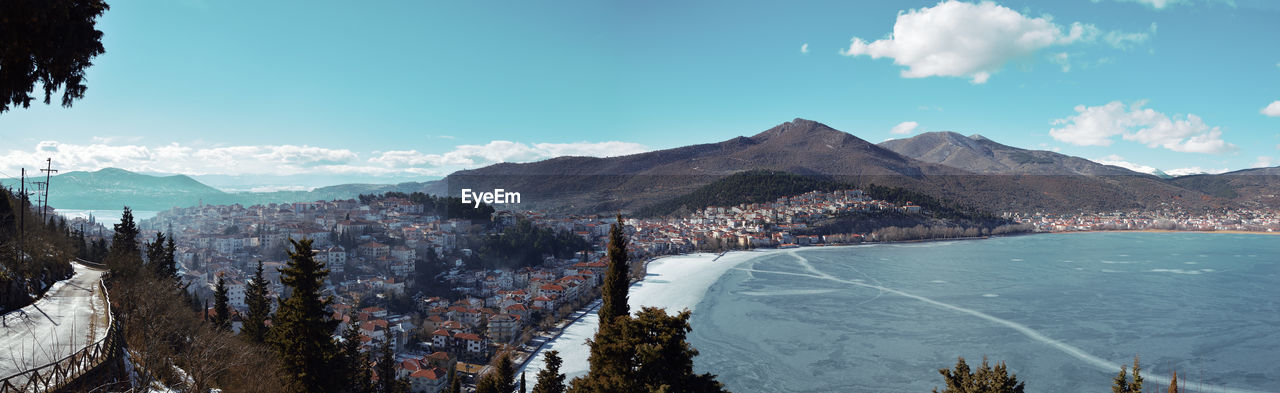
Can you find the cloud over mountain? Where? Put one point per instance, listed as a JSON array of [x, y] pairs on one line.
[[293, 159], [1098, 125], [959, 39]]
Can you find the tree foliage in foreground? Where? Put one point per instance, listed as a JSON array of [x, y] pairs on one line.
[[985, 379], [645, 353], [301, 328], [550, 379], [47, 42], [1122, 383]]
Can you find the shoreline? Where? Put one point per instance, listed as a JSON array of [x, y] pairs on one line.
[[710, 259], [1227, 232]]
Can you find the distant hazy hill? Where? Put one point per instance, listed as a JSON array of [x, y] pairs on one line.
[[980, 155], [1260, 186], [805, 147], [113, 188]]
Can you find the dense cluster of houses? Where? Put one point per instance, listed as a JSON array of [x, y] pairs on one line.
[[1250, 220], [391, 237], [771, 224]]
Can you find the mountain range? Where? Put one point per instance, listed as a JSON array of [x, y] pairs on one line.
[[974, 171], [113, 188], [970, 170]]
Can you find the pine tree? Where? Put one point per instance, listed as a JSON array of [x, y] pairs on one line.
[[1122, 384], [616, 281], [7, 217], [155, 254], [455, 384], [522, 382], [550, 380], [171, 260], [255, 296], [302, 327], [985, 379], [664, 358], [387, 381], [355, 363], [501, 379], [221, 309], [125, 240], [647, 353]]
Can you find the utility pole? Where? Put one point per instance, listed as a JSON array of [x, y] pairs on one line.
[[22, 213], [44, 201]]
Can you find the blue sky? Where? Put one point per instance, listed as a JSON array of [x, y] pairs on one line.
[[419, 89]]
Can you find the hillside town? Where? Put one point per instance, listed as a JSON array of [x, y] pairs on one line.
[[1241, 220], [407, 277]]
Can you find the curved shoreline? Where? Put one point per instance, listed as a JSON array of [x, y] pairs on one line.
[[692, 279]]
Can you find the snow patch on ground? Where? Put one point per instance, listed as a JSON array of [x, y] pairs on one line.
[[675, 283], [56, 325]]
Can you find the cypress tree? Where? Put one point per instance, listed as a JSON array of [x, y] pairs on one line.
[[255, 295], [550, 380], [302, 327], [612, 349], [522, 382], [1173, 383], [221, 310], [616, 282]]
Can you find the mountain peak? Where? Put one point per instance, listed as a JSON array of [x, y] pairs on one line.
[[796, 127]]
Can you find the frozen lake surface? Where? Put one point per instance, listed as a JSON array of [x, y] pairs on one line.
[[1064, 311]]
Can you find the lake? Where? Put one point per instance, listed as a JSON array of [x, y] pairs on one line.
[[1063, 310]]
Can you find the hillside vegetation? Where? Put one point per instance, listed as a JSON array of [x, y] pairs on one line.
[[757, 186], [33, 254]]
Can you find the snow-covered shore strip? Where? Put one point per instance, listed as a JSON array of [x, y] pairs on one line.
[[674, 282]]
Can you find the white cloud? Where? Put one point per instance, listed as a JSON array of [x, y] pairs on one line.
[[1265, 161], [1162, 4], [804, 48], [1157, 4], [1123, 40], [1061, 59], [960, 39], [1098, 125], [905, 127], [471, 156], [293, 159], [1272, 110]]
